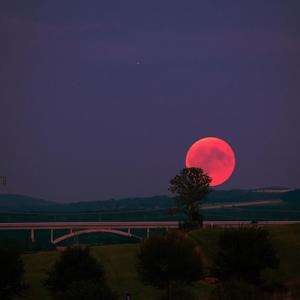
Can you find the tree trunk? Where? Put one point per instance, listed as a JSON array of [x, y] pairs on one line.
[[169, 290]]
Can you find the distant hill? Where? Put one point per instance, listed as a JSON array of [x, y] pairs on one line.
[[10, 202], [23, 203], [156, 202], [293, 197], [18, 203], [243, 195], [161, 202], [274, 189]]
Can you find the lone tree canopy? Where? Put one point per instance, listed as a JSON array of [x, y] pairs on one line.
[[243, 254], [169, 258], [191, 186], [11, 273], [77, 271]]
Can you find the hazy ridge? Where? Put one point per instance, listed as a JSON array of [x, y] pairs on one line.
[[11, 202]]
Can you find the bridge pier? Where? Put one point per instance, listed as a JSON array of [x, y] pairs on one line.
[[51, 236], [148, 232], [32, 235], [128, 231]]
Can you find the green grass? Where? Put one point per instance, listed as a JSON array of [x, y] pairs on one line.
[[120, 264], [286, 240], [36, 266]]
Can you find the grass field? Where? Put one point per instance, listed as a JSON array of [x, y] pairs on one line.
[[119, 262]]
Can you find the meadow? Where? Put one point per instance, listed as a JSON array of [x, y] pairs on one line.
[[120, 261]]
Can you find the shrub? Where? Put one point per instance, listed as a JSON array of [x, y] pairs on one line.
[[166, 259], [11, 273], [76, 269], [243, 253]]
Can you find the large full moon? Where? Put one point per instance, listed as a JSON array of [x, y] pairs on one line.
[[214, 156]]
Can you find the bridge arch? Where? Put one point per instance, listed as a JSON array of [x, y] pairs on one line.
[[84, 231]]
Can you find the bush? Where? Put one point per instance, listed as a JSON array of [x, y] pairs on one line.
[[77, 269], [11, 273], [166, 259], [243, 253]]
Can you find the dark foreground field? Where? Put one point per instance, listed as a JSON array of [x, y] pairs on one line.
[[119, 262]]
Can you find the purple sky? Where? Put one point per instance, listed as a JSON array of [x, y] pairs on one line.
[[102, 99]]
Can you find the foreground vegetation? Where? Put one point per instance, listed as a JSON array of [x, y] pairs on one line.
[[120, 262]]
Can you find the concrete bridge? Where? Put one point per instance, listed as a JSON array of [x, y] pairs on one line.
[[78, 228], [120, 228]]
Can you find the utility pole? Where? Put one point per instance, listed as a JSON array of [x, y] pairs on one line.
[[3, 184]]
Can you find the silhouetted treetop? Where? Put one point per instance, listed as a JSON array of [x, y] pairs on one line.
[[190, 187]]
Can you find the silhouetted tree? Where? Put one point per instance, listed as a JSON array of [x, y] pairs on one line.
[[243, 253], [169, 258], [191, 186], [11, 273], [76, 268]]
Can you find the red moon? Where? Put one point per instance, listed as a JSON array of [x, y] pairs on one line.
[[214, 156]]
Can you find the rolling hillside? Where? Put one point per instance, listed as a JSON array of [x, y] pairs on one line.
[[20, 203]]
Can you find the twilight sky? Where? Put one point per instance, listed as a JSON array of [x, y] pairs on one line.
[[102, 99]]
